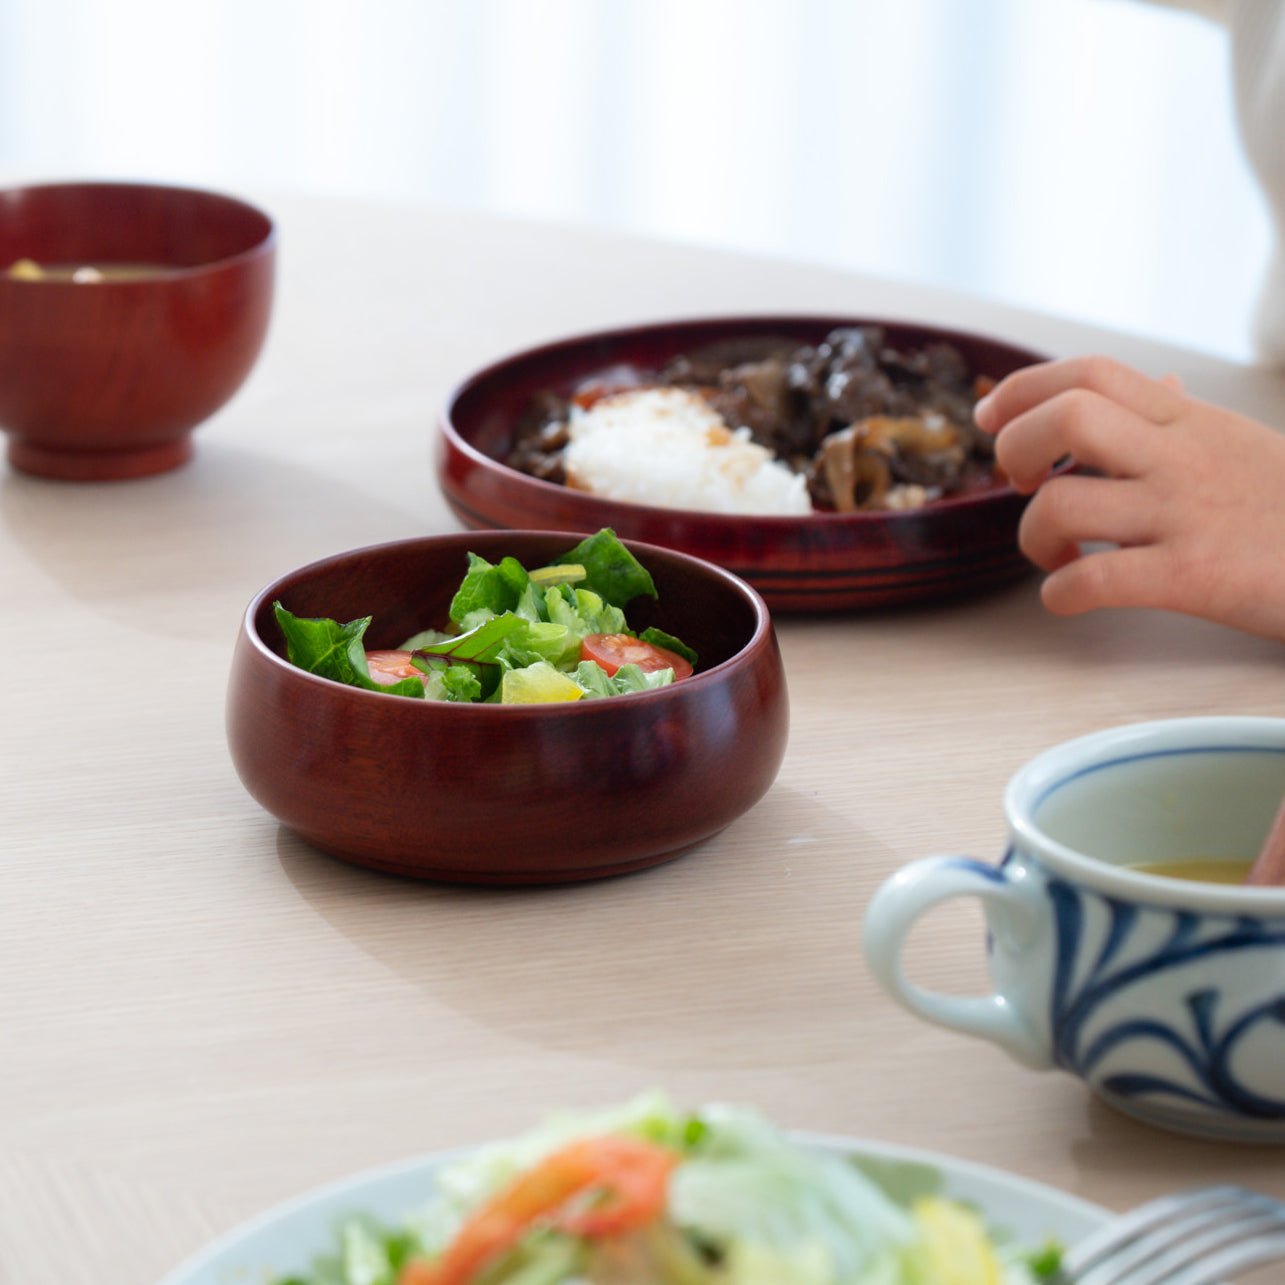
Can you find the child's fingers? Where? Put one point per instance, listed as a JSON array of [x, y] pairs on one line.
[[1153, 399], [1136, 577], [1070, 511], [1091, 429]]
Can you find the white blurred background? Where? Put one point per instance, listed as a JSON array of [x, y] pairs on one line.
[[1072, 156]]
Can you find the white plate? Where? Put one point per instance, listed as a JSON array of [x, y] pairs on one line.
[[286, 1239]]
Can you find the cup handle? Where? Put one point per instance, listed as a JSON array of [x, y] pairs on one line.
[[1013, 912]]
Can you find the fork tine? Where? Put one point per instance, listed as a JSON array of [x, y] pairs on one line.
[[1233, 1259], [1230, 1237], [1150, 1257], [1125, 1229]]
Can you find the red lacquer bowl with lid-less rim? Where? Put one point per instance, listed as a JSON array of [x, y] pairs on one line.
[[824, 561], [506, 794], [107, 379]]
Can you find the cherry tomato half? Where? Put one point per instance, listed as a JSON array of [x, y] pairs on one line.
[[389, 667], [613, 650]]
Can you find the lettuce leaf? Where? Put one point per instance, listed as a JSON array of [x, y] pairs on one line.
[[1046, 1262], [496, 589], [543, 640], [424, 638], [744, 1167], [659, 638], [530, 604], [583, 612], [331, 650], [595, 681], [611, 571], [479, 650], [452, 683], [368, 1253]]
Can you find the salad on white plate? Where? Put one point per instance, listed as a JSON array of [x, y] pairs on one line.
[[646, 1194]]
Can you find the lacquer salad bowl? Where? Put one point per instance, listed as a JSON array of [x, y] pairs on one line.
[[485, 792]]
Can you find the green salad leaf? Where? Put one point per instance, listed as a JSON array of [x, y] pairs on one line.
[[628, 678], [659, 638], [331, 650], [583, 612], [1046, 1263], [611, 571], [452, 683], [493, 589], [368, 1253], [426, 637], [479, 651], [479, 645]]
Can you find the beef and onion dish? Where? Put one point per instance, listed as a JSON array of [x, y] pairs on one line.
[[769, 425]]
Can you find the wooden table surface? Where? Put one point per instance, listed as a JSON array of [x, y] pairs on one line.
[[201, 1015]]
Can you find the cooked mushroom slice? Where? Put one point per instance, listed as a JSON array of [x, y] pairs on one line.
[[860, 464], [928, 451], [908, 435], [855, 477]]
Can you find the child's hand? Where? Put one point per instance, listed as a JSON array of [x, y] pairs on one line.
[[1193, 495]]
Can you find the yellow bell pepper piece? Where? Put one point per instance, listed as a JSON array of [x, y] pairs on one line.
[[537, 684]]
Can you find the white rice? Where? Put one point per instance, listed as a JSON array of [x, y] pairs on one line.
[[668, 447]]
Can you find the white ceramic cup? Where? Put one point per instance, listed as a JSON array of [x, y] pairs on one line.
[[1166, 996]]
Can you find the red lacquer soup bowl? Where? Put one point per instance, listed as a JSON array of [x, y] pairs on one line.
[[105, 378], [506, 793], [824, 561]]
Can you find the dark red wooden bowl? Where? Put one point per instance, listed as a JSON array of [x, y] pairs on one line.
[[820, 562], [506, 794], [108, 380]]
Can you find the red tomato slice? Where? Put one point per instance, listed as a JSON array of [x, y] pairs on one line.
[[389, 667], [630, 1176], [613, 650]]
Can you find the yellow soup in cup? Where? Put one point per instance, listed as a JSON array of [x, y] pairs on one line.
[[1199, 869]]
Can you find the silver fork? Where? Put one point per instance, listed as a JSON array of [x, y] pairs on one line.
[[1199, 1237]]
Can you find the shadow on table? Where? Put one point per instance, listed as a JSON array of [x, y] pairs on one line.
[[177, 553], [1011, 622], [1157, 1161], [593, 968]]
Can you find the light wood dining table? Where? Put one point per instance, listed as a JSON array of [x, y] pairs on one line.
[[201, 1016]]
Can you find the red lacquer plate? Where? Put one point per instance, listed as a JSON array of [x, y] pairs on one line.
[[961, 544]]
